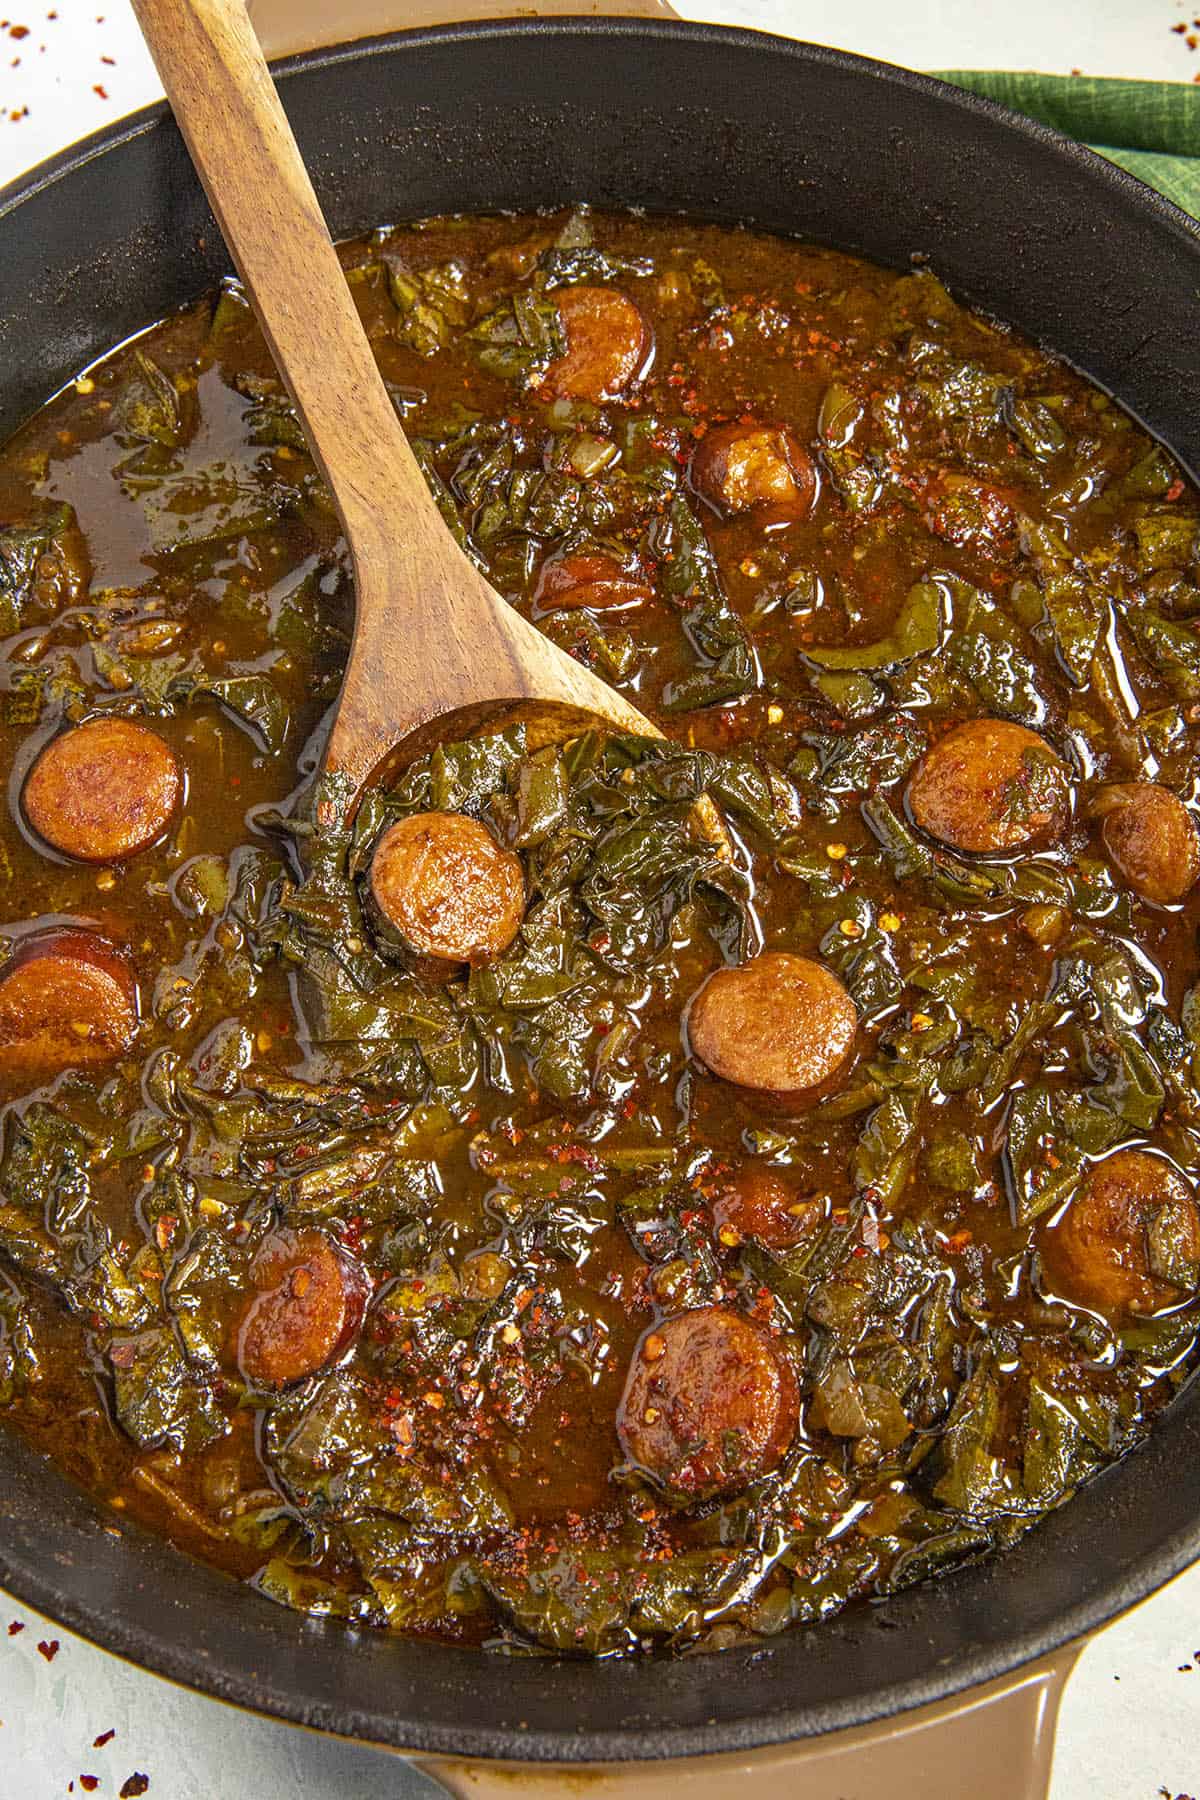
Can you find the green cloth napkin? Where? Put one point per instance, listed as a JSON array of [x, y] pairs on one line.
[[1152, 128]]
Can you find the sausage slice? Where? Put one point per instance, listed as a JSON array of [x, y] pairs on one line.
[[758, 1202], [736, 467], [608, 342], [310, 1300], [990, 786], [67, 1000], [586, 579], [781, 1024], [447, 887], [710, 1404], [1152, 839], [1129, 1243], [104, 790]]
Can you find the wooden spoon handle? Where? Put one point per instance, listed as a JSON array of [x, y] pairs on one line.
[[431, 636], [221, 91]]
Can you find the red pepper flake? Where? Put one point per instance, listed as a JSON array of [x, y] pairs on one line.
[[98, 88], [106, 1737], [48, 1650], [135, 1787], [576, 1153], [110, 60], [872, 1236], [15, 1628], [352, 1236], [18, 31], [89, 1783]]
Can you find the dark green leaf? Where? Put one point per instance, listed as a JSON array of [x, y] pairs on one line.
[[256, 699], [432, 303], [1044, 1165], [150, 409], [1037, 429], [968, 1474], [714, 630], [1077, 613], [158, 1399], [917, 632], [520, 340], [1172, 649], [1170, 1244], [43, 560]]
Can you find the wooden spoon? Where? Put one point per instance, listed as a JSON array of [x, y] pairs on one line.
[[432, 637]]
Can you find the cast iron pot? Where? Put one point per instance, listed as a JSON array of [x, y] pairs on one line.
[[721, 125]]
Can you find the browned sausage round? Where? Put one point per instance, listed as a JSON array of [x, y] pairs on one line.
[[989, 786], [1102, 1255], [710, 1404], [781, 1024], [736, 467], [310, 1301], [589, 579], [104, 790], [447, 887], [1151, 837], [608, 342], [759, 1202], [67, 998]]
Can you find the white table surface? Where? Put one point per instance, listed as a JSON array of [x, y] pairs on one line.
[[1130, 1726]]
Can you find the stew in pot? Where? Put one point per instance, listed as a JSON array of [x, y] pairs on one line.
[[524, 1215]]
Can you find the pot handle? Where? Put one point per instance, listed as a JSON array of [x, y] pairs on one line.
[[286, 27], [995, 1743]]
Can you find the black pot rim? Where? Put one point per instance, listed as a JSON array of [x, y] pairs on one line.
[[135, 124], [40, 1575]]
